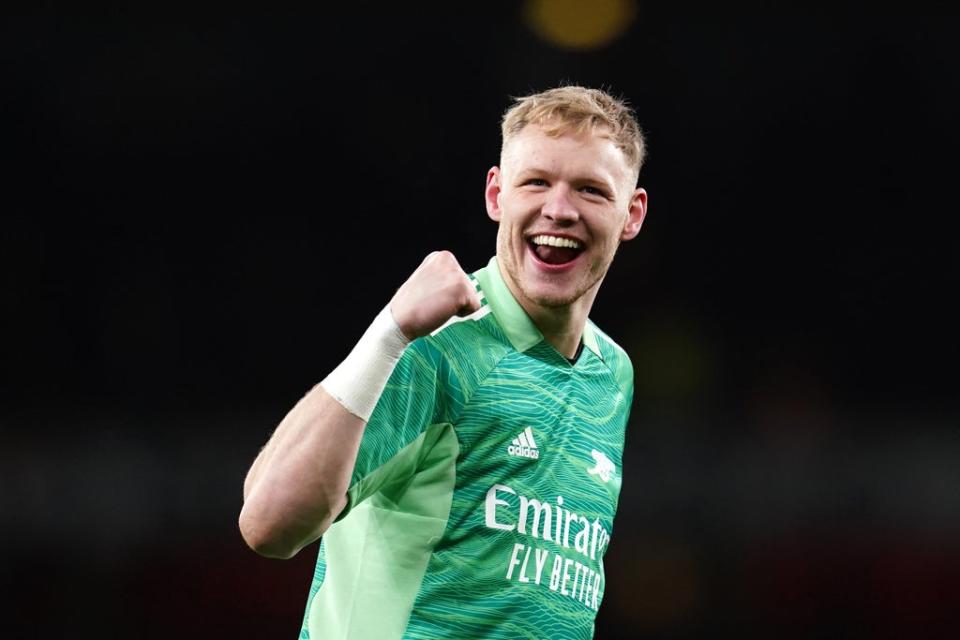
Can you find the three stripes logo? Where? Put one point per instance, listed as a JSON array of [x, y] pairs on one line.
[[524, 446]]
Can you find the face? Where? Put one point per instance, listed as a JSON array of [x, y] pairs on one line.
[[564, 204]]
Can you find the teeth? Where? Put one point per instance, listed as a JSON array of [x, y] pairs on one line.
[[554, 241]]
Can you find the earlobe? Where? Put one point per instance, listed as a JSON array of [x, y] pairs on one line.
[[636, 215], [492, 194]]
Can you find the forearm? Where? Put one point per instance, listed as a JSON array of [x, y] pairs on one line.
[[297, 486]]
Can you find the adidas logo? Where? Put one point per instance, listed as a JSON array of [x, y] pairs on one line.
[[524, 445]]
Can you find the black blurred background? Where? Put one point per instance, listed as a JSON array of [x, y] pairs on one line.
[[203, 207]]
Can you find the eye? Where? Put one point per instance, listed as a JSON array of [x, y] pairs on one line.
[[536, 182], [594, 191]]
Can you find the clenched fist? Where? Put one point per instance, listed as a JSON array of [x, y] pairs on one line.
[[438, 290]]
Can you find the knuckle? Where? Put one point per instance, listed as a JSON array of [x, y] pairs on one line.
[[450, 260]]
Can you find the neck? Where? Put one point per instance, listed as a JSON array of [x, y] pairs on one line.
[[561, 326]]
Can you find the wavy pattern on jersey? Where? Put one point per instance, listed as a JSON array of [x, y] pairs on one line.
[[425, 388], [573, 411], [318, 574], [469, 375]]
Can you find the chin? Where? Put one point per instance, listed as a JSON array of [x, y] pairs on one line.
[[552, 299]]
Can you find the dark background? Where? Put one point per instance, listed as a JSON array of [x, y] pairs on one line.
[[204, 207]]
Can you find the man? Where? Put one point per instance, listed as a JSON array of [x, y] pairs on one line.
[[463, 463]]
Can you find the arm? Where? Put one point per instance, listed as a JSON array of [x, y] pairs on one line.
[[298, 484]]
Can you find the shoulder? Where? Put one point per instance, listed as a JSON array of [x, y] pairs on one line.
[[615, 357], [465, 348]]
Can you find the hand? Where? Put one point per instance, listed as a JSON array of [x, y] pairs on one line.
[[438, 290]]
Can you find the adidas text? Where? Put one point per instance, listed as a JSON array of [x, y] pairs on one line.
[[523, 452]]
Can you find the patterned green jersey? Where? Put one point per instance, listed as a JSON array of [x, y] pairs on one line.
[[485, 487]]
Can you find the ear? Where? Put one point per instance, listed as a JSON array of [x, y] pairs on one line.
[[635, 215], [492, 193]]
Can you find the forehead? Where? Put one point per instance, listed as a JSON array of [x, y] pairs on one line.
[[571, 154]]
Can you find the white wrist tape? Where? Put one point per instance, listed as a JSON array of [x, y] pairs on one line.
[[358, 381]]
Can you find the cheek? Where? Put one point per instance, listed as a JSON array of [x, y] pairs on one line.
[[505, 240], [605, 249]]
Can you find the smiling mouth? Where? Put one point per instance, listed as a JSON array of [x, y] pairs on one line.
[[555, 250]]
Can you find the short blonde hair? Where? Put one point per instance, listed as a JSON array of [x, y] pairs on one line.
[[578, 110]]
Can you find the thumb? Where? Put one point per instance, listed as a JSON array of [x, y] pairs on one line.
[[474, 301]]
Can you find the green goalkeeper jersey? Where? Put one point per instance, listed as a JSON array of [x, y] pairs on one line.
[[483, 496]]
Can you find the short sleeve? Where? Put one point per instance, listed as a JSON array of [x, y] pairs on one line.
[[417, 395]]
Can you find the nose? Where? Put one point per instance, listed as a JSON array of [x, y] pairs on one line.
[[559, 206]]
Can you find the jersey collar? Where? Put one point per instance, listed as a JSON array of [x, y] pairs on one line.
[[520, 329]]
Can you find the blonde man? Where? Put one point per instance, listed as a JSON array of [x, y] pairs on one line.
[[462, 465]]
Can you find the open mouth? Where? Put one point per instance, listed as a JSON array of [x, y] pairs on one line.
[[555, 250]]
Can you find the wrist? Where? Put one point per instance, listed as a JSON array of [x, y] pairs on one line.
[[358, 382]]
